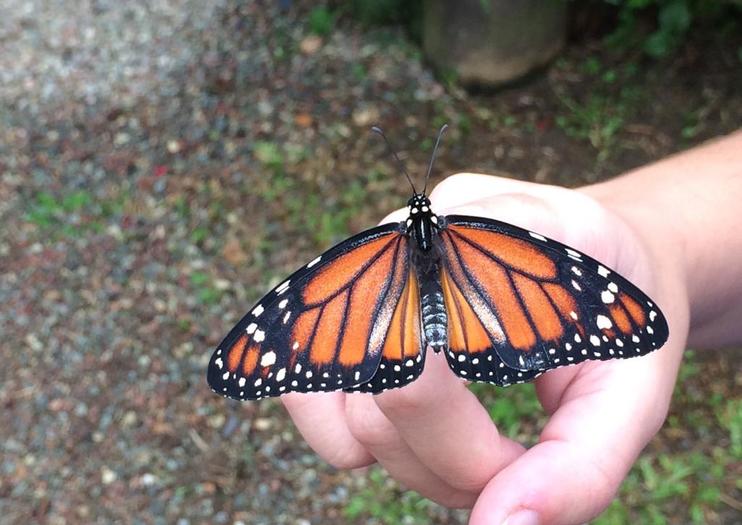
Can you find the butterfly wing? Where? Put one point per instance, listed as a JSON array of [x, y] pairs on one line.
[[325, 327], [403, 350], [520, 303]]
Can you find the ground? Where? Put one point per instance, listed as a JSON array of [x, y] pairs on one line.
[[162, 165]]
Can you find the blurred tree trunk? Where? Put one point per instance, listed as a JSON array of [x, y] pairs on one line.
[[492, 42]]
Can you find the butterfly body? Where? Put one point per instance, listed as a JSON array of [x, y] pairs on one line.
[[503, 305]]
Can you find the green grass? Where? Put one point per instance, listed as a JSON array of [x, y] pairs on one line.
[[204, 290], [600, 116], [71, 215], [510, 408], [321, 21], [383, 500]]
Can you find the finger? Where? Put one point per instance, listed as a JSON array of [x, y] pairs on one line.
[[463, 188], [447, 428], [320, 418], [371, 427], [608, 414]]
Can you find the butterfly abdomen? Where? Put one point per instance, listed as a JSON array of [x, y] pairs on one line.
[[434, 317]]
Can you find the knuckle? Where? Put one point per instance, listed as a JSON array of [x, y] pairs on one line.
[[346, 458], [367, 425], [402, 402]]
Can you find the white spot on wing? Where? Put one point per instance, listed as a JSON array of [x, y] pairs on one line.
[[576, 286], [268, 359], [652, 315], [603, 271], [613, 287], [242, 382], [280, 375], [219, 363], [603, 322], [283, 287], [607, 297], [258, 310], [537, 236], [251, 328], [283, 304], [259, 336], [314, 261], [595, 340]]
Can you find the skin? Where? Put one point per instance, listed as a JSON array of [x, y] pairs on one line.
[[672, 229]]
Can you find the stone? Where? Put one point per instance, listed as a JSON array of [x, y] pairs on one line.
[[491, 43]]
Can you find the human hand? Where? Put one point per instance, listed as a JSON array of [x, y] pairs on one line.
[[436, 438]]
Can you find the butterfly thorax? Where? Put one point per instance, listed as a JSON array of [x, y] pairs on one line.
[[422, 223]]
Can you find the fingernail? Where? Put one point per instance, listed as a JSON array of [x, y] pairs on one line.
[[522, 517]]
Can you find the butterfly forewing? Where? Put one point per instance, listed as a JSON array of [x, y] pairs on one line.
[[323, 328], [535, 303]]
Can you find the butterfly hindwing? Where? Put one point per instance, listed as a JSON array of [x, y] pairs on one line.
[[403, 351], [533, 304], [324, 327]]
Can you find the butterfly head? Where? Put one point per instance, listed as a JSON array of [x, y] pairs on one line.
[[419, 204], [421, 223]]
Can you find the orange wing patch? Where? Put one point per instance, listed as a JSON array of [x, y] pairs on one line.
[[342, 270], [234, 356], [635, 311], [403, 337], [325, 339], [365, 293], [620, 318], [465, 330], [251, 360], [493, 279], [564, 302], [518, 254], [304, 328], [539, 307]]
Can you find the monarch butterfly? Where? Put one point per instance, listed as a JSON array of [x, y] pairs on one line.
[[502, 303]]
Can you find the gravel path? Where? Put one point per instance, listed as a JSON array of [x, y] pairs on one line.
[[133, 210]]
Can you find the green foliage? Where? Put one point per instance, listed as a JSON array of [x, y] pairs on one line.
[[384, 12], [655, 485], [72, 215], [383, 500], [730, 417], [509, 408], [269, 154], [321, 21], [673, 20], [204, 289], [600, 115]]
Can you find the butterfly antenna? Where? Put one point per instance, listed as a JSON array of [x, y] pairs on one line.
[[444, 127], [377, 129]]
